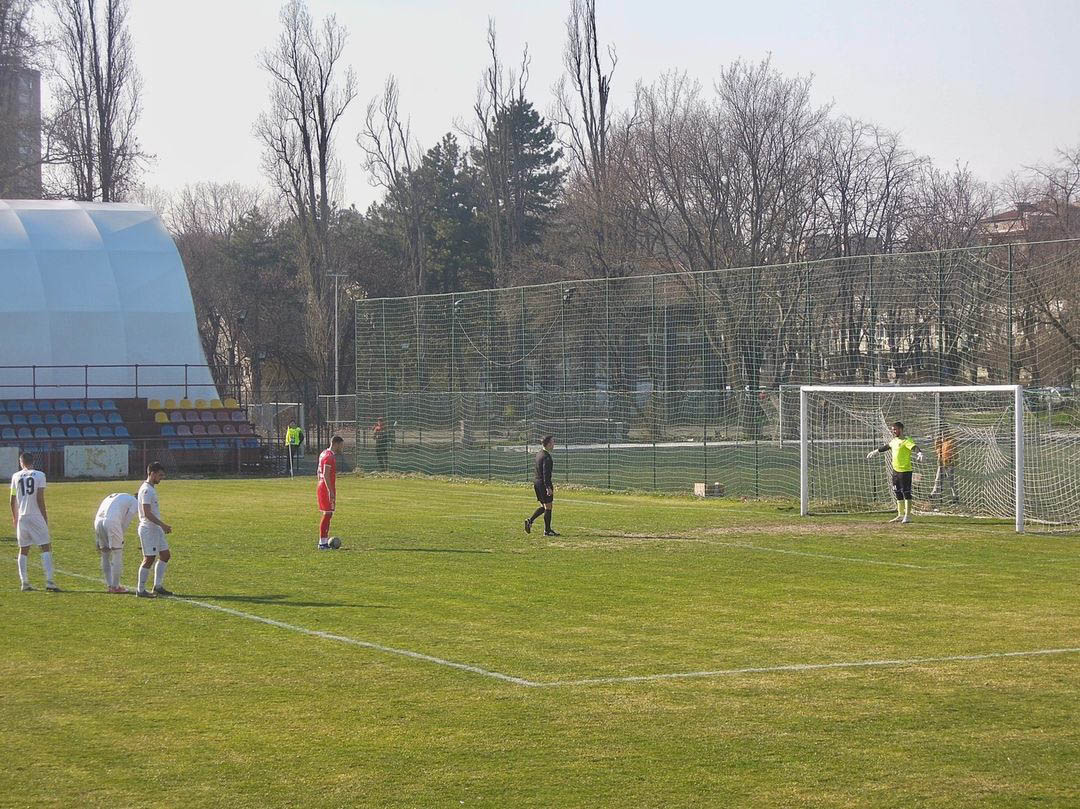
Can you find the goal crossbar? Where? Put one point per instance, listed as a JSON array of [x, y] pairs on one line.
[[1018, 427]]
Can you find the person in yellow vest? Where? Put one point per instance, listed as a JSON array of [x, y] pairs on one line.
[[294, 439], [901, 448], [945, 447]]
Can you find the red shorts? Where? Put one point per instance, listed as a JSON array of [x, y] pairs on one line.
[[323, 495]]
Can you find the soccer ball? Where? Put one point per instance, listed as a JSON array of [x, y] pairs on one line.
[[335, 542]]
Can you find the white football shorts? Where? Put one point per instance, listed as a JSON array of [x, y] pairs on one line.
[[152, 539], [109, 535], [32, 531]]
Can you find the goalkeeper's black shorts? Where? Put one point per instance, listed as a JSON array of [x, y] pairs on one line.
[[901, 485]]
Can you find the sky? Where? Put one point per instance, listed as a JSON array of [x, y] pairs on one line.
[[991, 84]]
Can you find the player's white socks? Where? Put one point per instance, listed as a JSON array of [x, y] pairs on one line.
[[24, 577], [106, 567], [46, 565], [159, 573], [117, 555], [144, 574]]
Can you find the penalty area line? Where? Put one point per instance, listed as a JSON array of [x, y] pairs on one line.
[[800, 667], [363, 644]]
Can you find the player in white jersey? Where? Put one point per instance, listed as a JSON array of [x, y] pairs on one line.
[[114, 515], [152, 531], [31, 520]]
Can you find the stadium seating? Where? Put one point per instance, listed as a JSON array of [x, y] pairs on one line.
[[89, 432], [176, 416], [105, 431], [61, 405], [34, 419], [168, 431], [45, 406], [41, 432], [24, 432], [82, 418], [191, 415], [114, 418], [183, 430], [185, 404], [5, 420], [200, 404], [170, 404], [215, 404], [67, 418], [56, 432], [207, 415], [29, 406], [108, 404], [73, 432], [18, 419], [93, 404], [122, 432], [8, 434], [161, 417], [231, 403], [154, 404], [77, 404], [198, 429]]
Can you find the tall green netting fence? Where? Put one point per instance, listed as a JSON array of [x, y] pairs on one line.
[[659, 382]]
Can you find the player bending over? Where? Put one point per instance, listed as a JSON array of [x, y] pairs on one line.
[[544, 488], [901, 449], [326, 491], [31, 520], [152, 531], [114, 515]]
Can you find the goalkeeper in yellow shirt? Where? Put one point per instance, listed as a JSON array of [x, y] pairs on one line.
[[901, 448]]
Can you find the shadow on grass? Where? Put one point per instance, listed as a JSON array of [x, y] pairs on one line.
[[278, 599], [433, 550]]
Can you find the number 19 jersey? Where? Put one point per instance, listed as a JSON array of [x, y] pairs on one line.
[[24, 488]]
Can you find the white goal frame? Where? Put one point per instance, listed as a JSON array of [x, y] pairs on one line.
[[1018, 427]]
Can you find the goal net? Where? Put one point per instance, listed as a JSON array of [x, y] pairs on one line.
[[972, 439]]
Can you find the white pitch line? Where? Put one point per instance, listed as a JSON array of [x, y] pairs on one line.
[[818, 555], [363, 644], [914, 661]]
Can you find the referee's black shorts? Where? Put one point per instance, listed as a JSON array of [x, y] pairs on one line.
[[542, 493], [901, 485]]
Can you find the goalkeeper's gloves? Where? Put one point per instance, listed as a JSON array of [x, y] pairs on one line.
[[871, 454], [918, 455]]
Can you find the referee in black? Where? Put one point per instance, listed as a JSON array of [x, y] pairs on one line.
[[544, 488]]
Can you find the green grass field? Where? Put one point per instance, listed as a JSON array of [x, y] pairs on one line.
[[191, 702]]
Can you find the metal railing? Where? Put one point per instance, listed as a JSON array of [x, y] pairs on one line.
[[101, 381]]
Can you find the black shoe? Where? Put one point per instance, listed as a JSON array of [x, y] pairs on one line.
[[161, 591], [144, 594], [528, 526], [552, 534], [50, 586]]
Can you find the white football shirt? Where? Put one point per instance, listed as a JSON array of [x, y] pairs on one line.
[[148, 497], [118, 507], [25, 485]]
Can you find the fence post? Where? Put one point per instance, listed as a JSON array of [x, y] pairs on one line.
[[136, 380], [607, 318], [33, 380], [809, 330], [941, 318], [453, 410], [562, 398], [386, 382], [86, 381], [524, 385], [419, 385], [1009, 322], [652, 409], [872, 336], [704, 394]]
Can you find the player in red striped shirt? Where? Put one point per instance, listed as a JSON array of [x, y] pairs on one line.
[[326, 491]]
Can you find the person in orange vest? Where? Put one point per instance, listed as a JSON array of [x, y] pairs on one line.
[[382, 444], [945, 447]]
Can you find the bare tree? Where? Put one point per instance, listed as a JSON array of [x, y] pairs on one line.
[[582, 101], [391, 159], [98, 92], [309, 93]]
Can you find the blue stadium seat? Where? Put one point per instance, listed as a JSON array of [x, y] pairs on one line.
[[122, 432], [251, 443], [41, 432], [5, 419], [98, 418], [77, 404], [34, 419], [25, 432], [223, 443], [56, 432], [8, 434], [176, 445], [82, 418], [238, 415], [168, 431], [191, 443], [114, 418], [44, 406], [108, 404], [73, 432], [67, 418], [51, 418], [205, 443], [29, 406], [61, 404], [93, 404], [12, 407], [105, 431], [89, 432], [18, 419]]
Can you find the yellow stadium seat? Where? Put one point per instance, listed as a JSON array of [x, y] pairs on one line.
[[231, 403], [154, 404], [161, 417], [170, 404], [200, 404], [215, 404], [185, 404]]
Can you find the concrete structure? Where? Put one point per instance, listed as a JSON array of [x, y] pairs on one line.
[[20, 133]]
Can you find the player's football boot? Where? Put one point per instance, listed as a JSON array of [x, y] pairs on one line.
[[27, 587], [144, 594], [552, 534], [119, 589], [528, 526], [50, 586], [161, 591]]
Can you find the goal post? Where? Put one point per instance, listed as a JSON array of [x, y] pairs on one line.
[[973, 438]]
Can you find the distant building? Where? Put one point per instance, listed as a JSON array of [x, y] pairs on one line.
[[1032, 221], [20, 133]]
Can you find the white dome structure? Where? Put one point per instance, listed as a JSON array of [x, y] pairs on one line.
[[89, 286]]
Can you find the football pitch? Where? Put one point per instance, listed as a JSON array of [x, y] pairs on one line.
[[663, 652]]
